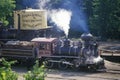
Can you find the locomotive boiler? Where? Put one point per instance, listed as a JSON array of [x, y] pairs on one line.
[[67, 48]]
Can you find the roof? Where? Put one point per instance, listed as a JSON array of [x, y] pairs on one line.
[[42, 39], [31, 10]]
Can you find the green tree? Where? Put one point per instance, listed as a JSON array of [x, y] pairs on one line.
[[109, 18], [91, 8], [6, 10], [104, 17], [38, 73], [6, 72]]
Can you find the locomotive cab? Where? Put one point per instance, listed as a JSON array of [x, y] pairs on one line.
[[44, 46]]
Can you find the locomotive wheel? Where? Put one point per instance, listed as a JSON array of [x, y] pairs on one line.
[[75, 65], [62, 65], [92, 68], [47, 63]]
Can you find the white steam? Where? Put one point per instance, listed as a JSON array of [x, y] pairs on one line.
[[42, 4], [61, 18]]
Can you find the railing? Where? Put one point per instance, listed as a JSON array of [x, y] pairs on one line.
[[105, 52]]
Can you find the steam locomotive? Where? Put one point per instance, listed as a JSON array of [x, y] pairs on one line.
[[62, 53], [76, 54]]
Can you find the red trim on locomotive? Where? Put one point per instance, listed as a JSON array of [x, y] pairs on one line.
[[45, 46]]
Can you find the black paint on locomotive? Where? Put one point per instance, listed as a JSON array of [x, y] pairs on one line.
[[67, 48]]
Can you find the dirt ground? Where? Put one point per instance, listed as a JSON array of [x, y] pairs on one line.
[[112, 71]]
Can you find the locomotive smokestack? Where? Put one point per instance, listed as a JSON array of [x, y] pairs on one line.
[[66, 42], [86, 36], [66, 37]]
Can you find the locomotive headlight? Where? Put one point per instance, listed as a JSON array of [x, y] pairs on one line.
[[93, 60], [90, 60]]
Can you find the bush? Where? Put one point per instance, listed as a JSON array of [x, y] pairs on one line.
[[38, 73], [6, 72]]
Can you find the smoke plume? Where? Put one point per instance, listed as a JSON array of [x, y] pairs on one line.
[[62, 19], [64, 14]]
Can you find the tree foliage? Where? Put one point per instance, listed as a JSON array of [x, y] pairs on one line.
[[6, 10], [6, 72], [104, 17], [38, 73]]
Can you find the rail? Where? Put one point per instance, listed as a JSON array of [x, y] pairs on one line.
[[105, 52]]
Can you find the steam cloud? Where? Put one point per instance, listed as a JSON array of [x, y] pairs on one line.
[[42, 4], [62, 19], [65, 14]]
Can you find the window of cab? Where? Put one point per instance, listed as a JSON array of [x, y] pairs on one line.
[[44, 46]]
